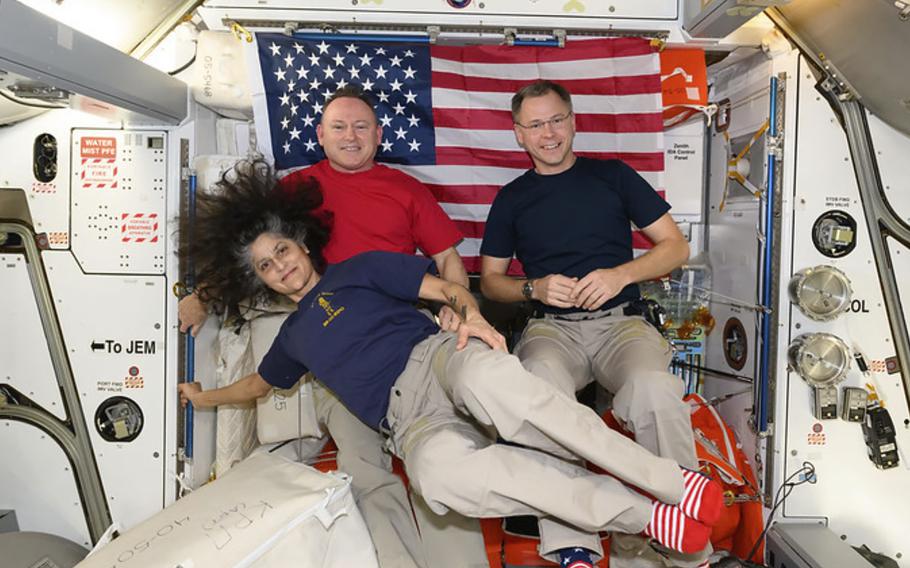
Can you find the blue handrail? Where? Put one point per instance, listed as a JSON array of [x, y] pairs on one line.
[[190, 281], [538, 42], [762, 402]]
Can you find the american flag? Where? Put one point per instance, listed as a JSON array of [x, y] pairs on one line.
[[445, 110]]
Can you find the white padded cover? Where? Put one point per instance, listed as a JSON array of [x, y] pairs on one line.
[[266, 511], [283, 414], [220, 80], [235, 424]]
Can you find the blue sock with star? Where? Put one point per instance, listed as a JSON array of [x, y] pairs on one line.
[[575, 558]]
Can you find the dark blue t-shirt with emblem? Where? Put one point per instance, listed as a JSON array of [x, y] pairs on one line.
[[355, 331], [572, 222]]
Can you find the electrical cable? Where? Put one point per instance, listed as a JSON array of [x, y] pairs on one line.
[[183, 67], [715, 372], [23, 103], [808, 469]]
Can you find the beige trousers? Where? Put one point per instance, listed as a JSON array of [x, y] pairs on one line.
[[629, 358], [440, 405], [448, 541]]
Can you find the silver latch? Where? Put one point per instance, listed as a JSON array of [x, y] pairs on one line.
[[433, 33], [774, 146], [560, 36]]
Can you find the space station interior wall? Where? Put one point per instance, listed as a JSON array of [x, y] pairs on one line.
[[818, 191], [109, 217]]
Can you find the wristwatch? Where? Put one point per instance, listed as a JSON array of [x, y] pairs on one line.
[[527, 289]]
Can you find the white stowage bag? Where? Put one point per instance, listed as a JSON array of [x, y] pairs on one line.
[[283, 414], [220, 81], [266, 511], [235, 424]]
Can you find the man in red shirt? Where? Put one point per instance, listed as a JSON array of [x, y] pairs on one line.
[[375, 207]]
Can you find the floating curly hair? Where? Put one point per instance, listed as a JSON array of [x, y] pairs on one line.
[[244, 204]]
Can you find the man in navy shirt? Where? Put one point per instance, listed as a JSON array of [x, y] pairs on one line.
[[437, 392], [568, 221]]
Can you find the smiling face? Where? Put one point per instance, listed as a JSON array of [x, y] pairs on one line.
[[550, 146], [349, 135], [283, 265]]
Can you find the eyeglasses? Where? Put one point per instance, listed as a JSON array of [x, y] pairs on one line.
[[557, 123]]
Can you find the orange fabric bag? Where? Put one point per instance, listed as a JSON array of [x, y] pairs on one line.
[[721, 457]]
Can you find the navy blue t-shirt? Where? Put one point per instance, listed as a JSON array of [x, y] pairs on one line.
[[355, 330], [572, 222]]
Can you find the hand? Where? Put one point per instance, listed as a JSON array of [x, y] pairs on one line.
[[592, 291], [188, 391], [554, 290], [476, 326], [448, 319], [192, 314]]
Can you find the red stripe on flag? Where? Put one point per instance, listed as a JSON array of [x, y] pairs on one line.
[[460, 156], [470, 229], [485, 119], [613, 86], [573, 51], [482, 194]]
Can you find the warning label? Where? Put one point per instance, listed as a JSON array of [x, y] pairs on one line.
[[38, 187], [96, 147], [134, 379], [99, 162], [98, 173], [139, 227]]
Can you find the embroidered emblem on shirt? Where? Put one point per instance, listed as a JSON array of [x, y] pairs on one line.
[[330, 311]]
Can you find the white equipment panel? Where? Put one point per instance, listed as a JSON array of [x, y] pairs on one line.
[[410, 11], [847, 481], [114, 327], [684, 162], [900, 258], [891, 153], [48, 201], [26, 361], [118, 200], [38, 483]]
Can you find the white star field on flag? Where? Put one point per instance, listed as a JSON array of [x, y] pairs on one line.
[[301, 75]]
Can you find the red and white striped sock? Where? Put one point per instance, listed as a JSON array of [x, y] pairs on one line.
[[702, 498], [672, 528]]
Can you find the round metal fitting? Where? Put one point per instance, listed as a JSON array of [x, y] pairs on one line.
[[822, 293], [821, 359]]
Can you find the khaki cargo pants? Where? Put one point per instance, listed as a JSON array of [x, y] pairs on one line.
[[440, 409], [629, 358], [449, 541]]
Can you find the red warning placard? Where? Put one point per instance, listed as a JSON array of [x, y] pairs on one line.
[[139, 227], [98, 147], [99, 162]]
